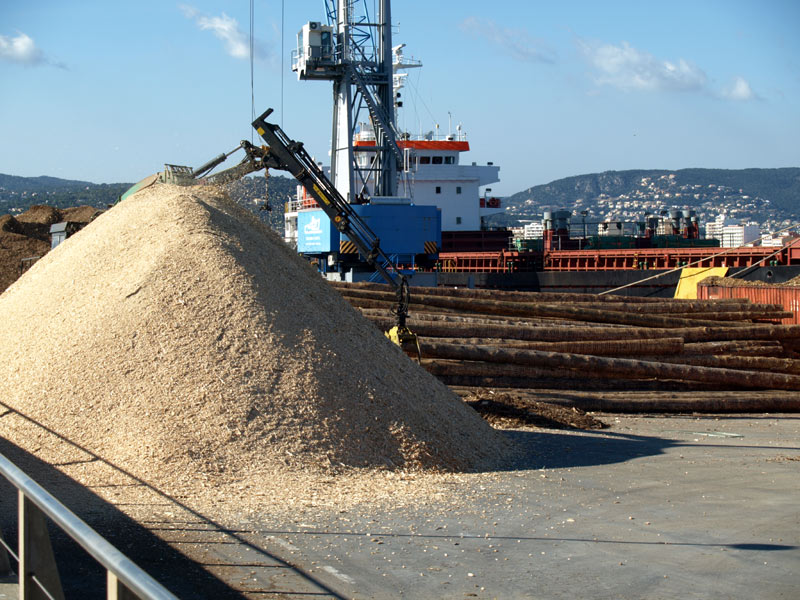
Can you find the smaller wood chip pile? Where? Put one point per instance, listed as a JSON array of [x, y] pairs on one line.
[[735, 282], [180, 339], [535, 341]]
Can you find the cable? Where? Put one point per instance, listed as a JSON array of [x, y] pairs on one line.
[[754, 265], [622, 287], [282, 66], [252, 53]]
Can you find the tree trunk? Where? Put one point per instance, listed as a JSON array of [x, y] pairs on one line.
[[620, 347], [529, 309], [613, 367]]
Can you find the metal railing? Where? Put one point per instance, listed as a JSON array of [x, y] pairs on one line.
[[38, 574]]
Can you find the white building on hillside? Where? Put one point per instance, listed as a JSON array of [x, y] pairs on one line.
[[534, 230], [731, 233]]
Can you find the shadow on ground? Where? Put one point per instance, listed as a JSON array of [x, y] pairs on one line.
[[82, 577], [550, 450]]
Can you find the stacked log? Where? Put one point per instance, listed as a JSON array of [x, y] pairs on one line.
[[529, 341]]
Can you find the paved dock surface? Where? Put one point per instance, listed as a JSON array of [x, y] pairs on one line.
[[653, 507]]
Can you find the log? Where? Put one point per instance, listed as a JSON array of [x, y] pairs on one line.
[[730, 313], [661, 401], [752, 347], [544, 333], [523, 309], [386, 305], [614, 367], [456, 317], [748, 315], [619, 347], [754, 363], [518, 296], [554, 333], [704, 307], [750, 332], [566, 384], [488, 369]]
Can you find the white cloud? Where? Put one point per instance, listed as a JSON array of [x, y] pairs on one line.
[[627, 68], [516, 41], [20, 49], [739, 90], [226, 29]]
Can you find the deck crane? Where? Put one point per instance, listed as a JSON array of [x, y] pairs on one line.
[[285, 154]]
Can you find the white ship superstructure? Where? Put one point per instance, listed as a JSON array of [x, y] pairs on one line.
[[372, 161]]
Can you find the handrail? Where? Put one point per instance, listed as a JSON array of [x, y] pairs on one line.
[[115, 562]]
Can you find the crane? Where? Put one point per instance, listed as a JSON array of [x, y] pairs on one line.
[[284, 154]]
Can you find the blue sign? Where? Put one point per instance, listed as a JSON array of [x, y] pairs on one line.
[[315, 232]]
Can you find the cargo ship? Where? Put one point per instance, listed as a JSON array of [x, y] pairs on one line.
[[428, 207]]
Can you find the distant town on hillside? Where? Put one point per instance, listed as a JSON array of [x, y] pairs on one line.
[[764, 201]]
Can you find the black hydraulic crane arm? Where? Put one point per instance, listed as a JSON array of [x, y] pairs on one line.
[[287, 155]]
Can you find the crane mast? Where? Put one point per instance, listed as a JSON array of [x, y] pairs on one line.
[[354, 51]]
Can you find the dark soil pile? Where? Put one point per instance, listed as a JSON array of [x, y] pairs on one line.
[[28, 236], [15, 247], [509, 411]]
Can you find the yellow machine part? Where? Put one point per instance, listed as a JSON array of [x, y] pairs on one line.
[[400, 335], [690, 276]]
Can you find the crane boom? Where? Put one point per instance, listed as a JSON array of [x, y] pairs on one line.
[[286, 154]]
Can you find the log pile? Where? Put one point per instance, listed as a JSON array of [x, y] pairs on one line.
[[528, 341]]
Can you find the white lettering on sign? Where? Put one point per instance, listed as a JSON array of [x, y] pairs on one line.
[[314, 226]]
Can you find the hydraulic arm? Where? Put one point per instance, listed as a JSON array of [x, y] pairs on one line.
[[288, 155]]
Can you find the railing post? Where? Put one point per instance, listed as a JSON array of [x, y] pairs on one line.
[[36, 557], [117, 589], [5, 564]]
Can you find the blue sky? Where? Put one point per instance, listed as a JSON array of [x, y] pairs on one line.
[[109, 91]]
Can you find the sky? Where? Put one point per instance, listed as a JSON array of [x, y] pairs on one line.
[[109, 91]]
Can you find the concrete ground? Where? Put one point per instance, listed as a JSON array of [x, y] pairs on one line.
[[667, 507], [653, 507]]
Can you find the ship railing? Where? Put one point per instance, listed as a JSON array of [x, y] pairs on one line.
[[295, 205], [37, 572]]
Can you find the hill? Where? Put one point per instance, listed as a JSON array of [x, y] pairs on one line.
[[768, 196], [19, 194], [764, 195]]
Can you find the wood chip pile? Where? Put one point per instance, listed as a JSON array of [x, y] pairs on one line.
[[180, 339], [534, 341], [735, 282]]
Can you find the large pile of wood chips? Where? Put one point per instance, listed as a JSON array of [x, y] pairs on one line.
[[182, 341]]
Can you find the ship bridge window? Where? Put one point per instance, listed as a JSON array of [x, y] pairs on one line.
[[424, 160], [458, 189], [438, 189], [449, 160], [326, 44], [437, 160]]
